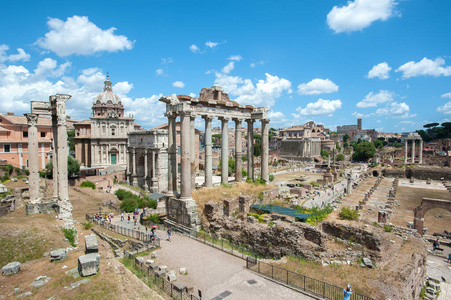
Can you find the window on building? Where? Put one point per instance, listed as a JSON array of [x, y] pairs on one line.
[[104, 129], [25, 134], [6, 148], [113, 131], [42, 134]]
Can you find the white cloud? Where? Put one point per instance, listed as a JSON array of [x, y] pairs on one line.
[[79, 36], [317, 86], [122, 88], [253, 65], [381, 70], [395, 110], [178, 84], [372, 100], [445, 109], [320, 107], [263, 93], [49, 68], [192, 95], [425, 67], [159, 72], [210, 44], [194, 48], [235, 57], [447, 95], [21, 55], [359, 14], [229, 67]]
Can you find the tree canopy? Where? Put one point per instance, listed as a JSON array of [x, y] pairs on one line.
[[364, 151], [73, 168]]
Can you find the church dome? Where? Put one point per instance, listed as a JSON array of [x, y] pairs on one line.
[[107, 94]]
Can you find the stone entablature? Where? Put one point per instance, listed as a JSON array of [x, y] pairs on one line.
[[148, 157]]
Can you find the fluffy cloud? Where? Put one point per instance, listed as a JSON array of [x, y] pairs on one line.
[[263, 93], [381, 71], [228, 68], [395, 110], [21, 55], [359, 14], [253, 65], [320, 107], [210, 44], [235, 57], [425, 67], [49, 67], [372, 100], [77, 35], [178, 84], [317, 86], [445, 109], [159, 72], [194, 48], [147, 111], [447, 95]]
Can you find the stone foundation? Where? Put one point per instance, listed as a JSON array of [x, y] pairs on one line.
[[182, 214], [38, 208]]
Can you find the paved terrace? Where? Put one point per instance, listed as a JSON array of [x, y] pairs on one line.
[[213, 271]]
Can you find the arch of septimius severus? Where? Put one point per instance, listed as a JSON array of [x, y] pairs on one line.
[[212, 103]]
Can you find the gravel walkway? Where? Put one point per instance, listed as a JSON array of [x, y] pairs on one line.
[[213, 271]]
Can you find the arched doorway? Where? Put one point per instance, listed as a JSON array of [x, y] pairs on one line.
[[114, 155], [427, 204]]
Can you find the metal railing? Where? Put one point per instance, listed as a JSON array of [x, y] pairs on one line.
[[299, 281], [152, 278], [134, 234]]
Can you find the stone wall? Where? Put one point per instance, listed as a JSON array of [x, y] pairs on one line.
[[434, 173], [270, 194]]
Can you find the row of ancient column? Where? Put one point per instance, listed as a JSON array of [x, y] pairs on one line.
[[133, 166], [187, 139], [59, 158], [413, 151]]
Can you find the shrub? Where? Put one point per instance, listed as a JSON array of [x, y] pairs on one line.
[[10, 169], [70, 235], [18, 171], [271, 178], [349, 214], [5, 177], [122, 194], [257, 216], [128, 205], [27, 172], [154, 218], [388, 228], [41, 173], [88, 184], [244, 172], [87, 225]]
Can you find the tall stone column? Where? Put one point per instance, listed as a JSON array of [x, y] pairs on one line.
[[146, 169], [224, 150], [265, 150], [172, 154], [193, 151], [421, 152], [54, 157], [238, 152], [405, 150], [65, 206], [185, 188], [134, 174], [208, 153], [154, 171], [413, 151], [250, 149], [33, 158]]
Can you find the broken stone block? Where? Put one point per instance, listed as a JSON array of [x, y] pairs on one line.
[[140, 260], [88, 264], [153, 255], [91, 244], [153, 267], [368, 262], [171, 277], [179, 287], [11, 268], [149, 262], [80, 282], [163, 268], [40, 281], [119, 253], [161, 274], [182, 271], [58, 254]]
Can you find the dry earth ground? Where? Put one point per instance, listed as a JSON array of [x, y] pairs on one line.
[[26, 238]]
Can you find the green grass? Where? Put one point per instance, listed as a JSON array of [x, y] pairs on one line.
[[318, 214], [388, 228], [349, 214], [70, 235], [22, 248]]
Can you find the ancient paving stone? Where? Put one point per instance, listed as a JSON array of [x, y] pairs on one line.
[[368, 262], [88, 264], [40, 281], [11, 268], [78, 283]]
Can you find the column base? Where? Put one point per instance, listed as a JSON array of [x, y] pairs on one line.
[[43, 207], [182, 212]]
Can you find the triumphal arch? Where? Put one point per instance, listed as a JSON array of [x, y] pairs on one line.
[[212, 103]]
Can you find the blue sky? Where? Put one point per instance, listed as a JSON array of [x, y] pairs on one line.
[[386, 61]]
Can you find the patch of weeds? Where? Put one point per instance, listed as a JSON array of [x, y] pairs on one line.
[[87, 225], [349, 214], [70, 234], [257, 216], [226, 185], [388, 228], [271, 223]]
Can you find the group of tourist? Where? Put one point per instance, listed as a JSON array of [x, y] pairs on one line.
[[105, 218]]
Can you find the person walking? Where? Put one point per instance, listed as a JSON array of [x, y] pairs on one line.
[[436, 244], [169, 234], [128, 218], [122, 216], [347, 293]]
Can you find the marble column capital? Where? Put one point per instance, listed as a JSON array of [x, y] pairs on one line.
[[266, 121], [193, 116], [170, 115], [224, 119], [32, 119], [207, 118], [250, 121]]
